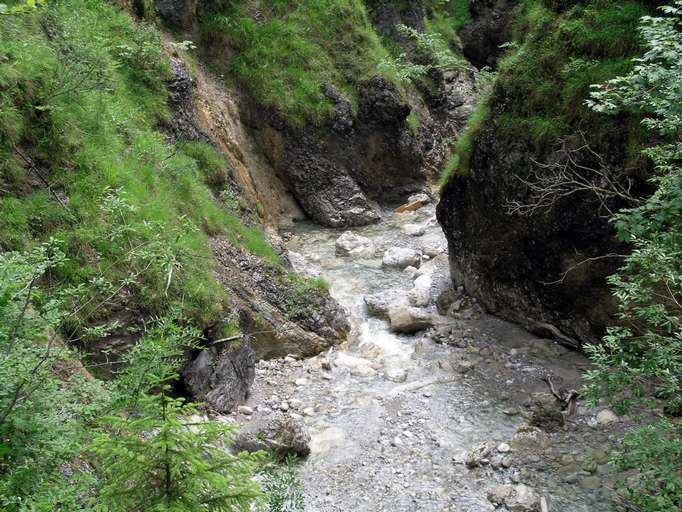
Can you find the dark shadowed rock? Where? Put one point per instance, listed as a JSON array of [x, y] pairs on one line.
[[339, 171], [488, 29], [180, 13], [527, 268], [221, 378], [181, 102]]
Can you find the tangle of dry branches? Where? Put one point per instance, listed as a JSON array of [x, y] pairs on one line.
[[548, 183]]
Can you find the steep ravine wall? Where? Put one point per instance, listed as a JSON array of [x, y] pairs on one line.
[[379, 146], [278, 313], [547, 271]]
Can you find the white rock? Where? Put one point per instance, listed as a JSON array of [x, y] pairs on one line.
[[517, 498], [401, 257], [284, 406], [301, 382], [245, 410], [503, 448], [419, 198], [432, 245], [414, 229], [301, 265], [419, 297], [606, 416], [397, 441], [412, 272], [308, 411], [396, 374], [355, 246], [357, 365], [379, 304]]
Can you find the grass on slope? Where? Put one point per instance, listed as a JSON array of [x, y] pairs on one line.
[[286, 51], [81, 95], [560, 48]]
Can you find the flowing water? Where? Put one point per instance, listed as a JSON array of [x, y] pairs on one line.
[[392, 420]]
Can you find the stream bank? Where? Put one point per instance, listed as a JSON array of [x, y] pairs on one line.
[[435, 420]]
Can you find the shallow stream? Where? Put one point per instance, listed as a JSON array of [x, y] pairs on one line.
[[393, 419]]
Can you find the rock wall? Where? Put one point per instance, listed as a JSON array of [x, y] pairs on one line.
[[275, 318], [487, 31], [338, 172], [546, 270], [531, 270]]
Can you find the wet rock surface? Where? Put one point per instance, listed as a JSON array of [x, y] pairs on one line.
[[393, 417]]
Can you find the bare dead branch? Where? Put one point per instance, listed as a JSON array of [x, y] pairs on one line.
[[549, 183], [581, 263]]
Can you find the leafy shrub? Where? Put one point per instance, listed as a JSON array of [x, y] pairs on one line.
[[283, 488], [639, 364]]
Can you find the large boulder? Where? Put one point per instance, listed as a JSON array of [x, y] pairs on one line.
[[517, 498], [408, 320], [280, 437], [379, 304], [338, 173], [265, 303], [352, 245], [401, 257], [221, 378]]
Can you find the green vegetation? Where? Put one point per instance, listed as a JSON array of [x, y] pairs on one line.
[[79, 111], [286, 52], [283, 487], [100, 213], [285, 58], [156, 460], [446, 18], [558, 50], [70, 442], [560, 54], [639, 364], [298, 293], [461, 155]]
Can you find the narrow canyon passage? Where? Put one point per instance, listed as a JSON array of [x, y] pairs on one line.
[[394, 417]]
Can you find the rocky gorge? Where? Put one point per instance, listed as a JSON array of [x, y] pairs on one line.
[[430, 404], [422, 400], [338, 208]]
